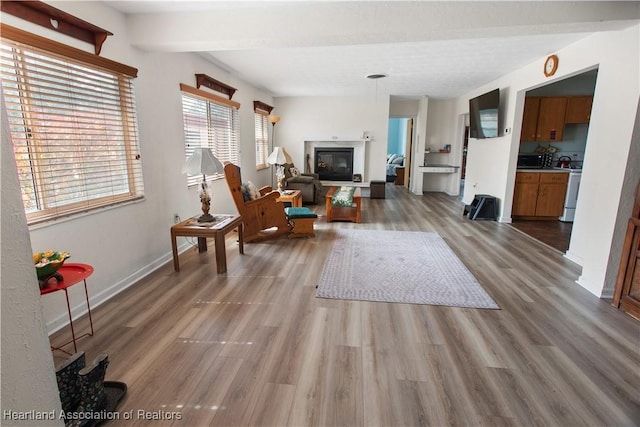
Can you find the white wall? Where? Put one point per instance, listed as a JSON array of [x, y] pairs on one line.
[[420, 128], [127, 242], [491, 162], [404, 108], [441, 130], [28, 376], [335, 118]]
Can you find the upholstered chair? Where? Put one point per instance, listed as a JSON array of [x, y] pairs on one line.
[[308, 183]]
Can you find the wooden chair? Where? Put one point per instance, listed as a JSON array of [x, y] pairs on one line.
[[262, 218]]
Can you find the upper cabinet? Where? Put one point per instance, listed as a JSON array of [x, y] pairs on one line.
[[548, 118], [578, 109], [544, 117], [530, 118]]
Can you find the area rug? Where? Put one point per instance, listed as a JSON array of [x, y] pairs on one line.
[[399, 266]]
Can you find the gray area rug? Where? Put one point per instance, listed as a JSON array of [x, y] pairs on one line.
[[399, 266]]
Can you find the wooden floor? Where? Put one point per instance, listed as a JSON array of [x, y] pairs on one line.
[[255, 347], [556, 234]]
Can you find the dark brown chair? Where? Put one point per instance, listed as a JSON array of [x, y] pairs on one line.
[[308, 183], [262, 218]]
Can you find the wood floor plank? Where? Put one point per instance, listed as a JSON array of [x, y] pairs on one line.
[[306, 409], [255, 347]]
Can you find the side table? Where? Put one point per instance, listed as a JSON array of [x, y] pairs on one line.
[[72, 273], [399, 176], [217, 230], [291, 197]]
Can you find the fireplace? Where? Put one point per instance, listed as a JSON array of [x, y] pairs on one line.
[[334, 164]]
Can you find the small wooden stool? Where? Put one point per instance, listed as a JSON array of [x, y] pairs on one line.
[[301, 220]]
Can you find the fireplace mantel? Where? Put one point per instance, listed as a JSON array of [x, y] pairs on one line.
[[359, 153]]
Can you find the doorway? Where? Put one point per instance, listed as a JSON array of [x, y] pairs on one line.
[[399, 144], [567, 151], [463, 163]]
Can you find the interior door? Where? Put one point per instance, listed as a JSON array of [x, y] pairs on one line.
[[627, 291], [407, 161]]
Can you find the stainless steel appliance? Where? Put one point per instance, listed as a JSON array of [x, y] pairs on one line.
[[571, 199], [531, 161]]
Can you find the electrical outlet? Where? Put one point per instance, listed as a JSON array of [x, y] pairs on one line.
[[176, 218]]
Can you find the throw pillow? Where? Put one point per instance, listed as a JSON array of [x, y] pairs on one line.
[[398, 160], [287, 170], [253, 190], [246, 196], [391, 157], [294, 172]]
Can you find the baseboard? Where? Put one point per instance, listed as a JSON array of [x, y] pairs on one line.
[[585, 285], [575, 258], [97, 300]]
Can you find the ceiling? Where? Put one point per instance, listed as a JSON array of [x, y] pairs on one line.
[[322, 48]]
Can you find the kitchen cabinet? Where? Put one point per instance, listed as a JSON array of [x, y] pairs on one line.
[[578, 109], [530, 118], [539, 194], [543, 118]]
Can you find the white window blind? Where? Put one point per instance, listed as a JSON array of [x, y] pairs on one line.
[[210, 123], [74, 132], [262, 139]]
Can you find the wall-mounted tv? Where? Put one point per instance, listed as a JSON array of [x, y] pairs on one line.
[[484, 111]]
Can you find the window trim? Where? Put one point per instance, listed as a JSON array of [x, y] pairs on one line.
[[263, 110], [193, 180], [53, 51]]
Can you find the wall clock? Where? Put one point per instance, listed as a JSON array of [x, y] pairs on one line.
[[551, 65]]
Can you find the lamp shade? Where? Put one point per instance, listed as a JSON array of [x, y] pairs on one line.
[[202, 161], [274, 119], [279, 156]]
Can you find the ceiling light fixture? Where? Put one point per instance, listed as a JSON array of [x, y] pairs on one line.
[[377, 76]]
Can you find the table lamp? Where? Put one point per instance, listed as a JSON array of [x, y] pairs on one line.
[[202, 161], [279, 157]]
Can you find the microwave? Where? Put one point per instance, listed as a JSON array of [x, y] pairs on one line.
[[532, 161]]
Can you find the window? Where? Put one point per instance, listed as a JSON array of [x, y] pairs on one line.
[[73, 126], [262, 140], [210, 121], [262, 112]]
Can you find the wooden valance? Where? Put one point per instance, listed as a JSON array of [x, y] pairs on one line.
[[49, 17], [261, 106], [211, 83], [209, 96], [54, 47]]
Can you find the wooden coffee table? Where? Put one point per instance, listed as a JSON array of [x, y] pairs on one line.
[[294, 197], [217, 230], [339, 213]]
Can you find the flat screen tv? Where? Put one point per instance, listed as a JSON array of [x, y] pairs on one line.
[[484, 111]]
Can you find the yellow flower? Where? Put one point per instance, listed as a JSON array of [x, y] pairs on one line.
[[48, 254], [36, 258]]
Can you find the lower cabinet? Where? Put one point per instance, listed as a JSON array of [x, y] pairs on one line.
[[539, 194]]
